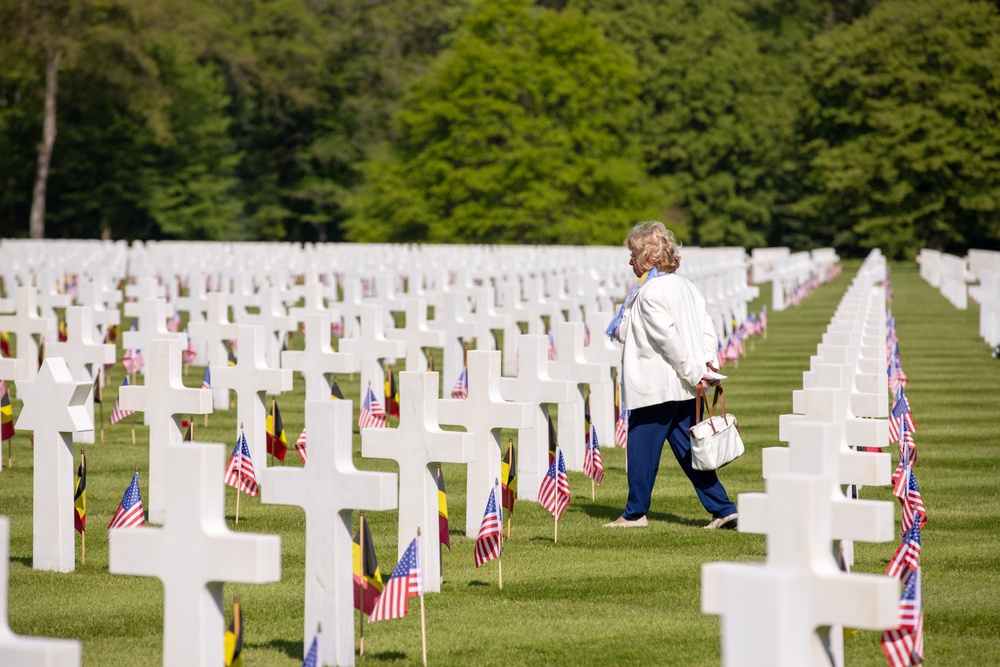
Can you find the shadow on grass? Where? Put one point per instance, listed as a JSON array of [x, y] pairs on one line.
[[293, 649], [386, 656], [673, 518], [23, 560], [477, 582], [607, 514]]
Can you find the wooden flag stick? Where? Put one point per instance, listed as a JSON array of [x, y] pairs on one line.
[[191, 426], [10, 455], [101, 412], [423, 621], [591, 489], [556, 536], [361, 605], [206, 420], [239, 481], [83, 547]]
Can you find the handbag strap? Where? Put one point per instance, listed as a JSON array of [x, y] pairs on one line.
[[700, 397]]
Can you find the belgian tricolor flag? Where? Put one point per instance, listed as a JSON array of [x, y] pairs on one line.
[[335, 392], [4, 343], [553, 441], [443, 511], [6, 413], [277, 442], [508, 477], [391, 394], [231, 360], [80, 497], [369, 581], [233, 640]]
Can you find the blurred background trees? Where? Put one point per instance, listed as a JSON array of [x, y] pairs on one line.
[[854, 124]]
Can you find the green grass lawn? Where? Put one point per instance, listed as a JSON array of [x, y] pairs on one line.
[[598, 597]]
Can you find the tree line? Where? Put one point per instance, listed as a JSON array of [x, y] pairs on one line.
[[800, 123]]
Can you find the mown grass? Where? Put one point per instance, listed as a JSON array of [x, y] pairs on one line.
[[598, 596]]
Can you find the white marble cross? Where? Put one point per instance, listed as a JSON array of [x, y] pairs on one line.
[[250, 378], [151, 321], [314, 301], [84, 356], [482, 414], [24, 324], [193, 554], [54, 409], [571, 366], [215, 331], [778, 614], [318, 358], [161, 399], [350, 306], [17, 651], [486, 318], [329, 488], [371, 346], [104, 301], [275, 320], [415, 334], [534, 385], [49, 296], [417, 445], [602, 395], [452, 320]]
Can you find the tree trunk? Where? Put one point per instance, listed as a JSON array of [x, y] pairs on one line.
[[36, 227]]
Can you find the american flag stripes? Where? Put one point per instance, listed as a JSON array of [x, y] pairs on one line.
[[189, 354], [300, 446], [593, 466], [553, 494], [913, 504], [129, 512], [371, 415], [239, 471], [906, 560], [461, 388], [904, 646], [206, 382], [489, 542], [621, 429], [404, 583], [312, 657], [174, 323], [117, 413], [132, 361]]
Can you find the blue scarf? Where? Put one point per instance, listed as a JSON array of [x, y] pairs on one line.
[[616, 322]]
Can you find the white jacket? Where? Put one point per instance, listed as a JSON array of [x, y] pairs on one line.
[[667, 337]]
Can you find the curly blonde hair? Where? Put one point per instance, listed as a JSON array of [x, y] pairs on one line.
[[652, 244]]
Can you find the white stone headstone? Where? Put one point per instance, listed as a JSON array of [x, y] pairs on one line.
[[452, 321], [193, 554], [571, 365], [163, 400], [18, 651], [371, 346], [482, 414], [329, 488], [54, 409], [318, 358], [418, 445], [151, 322], [25, 323], [415, 334], [215, 331], [276, 322]]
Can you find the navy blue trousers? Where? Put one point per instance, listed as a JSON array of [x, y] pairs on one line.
[[648, 428]]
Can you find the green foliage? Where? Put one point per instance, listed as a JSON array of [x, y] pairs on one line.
[[520, 133], [902, 129]]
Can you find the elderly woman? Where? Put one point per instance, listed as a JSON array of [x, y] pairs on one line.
[[669, 343]]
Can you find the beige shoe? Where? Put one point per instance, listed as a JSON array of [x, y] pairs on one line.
[[723, 522], [622, 522]]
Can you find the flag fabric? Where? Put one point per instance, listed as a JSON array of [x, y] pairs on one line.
[[111, 335], [239, 471], [335, 392], [231, 357], [312, 657], [443, 535], [460, 389], [404, 583], [277, 441], [190, 354], [80, 496], [913, 505], [117, 412], [508, 478], [63, 332], [621, 419], [206, 381], [586, 418], [187, 425], [174, 323], [132, 361], [489, 543], [98, 391], [233, 640], [391, 394], [553, 441], [129, 512], [904, 646], [300, 446], [552, 355], [371, 414], [593, 466], [906, 560], [5, 343], [554, 491], [6, 413], [371, 577]]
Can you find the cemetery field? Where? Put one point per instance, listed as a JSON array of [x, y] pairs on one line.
[[597, 596]]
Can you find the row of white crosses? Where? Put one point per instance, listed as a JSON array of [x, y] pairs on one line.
[[791, 610], [952, 275]]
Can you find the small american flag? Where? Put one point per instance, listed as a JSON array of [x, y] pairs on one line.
[[130, 512], [206, 382], [907, 557], [621, 429], [552, 347], [913, 505], [300, 445], [593, 466], [904, 646], [553, 494], [907, 447], [189, 352], [117, 413], [132, 361], [489, 543], [312, 657], [174, 323], [461, 387], [404, 583], [371, 415], [239, 471]]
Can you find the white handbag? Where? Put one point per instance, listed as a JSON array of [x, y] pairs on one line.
[[716, 441]]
